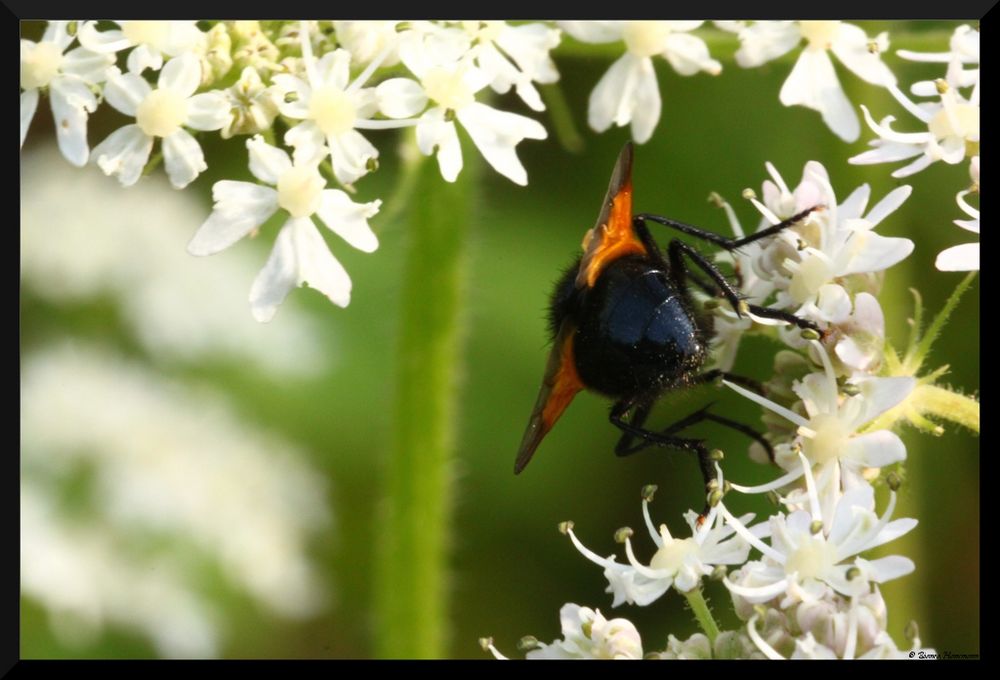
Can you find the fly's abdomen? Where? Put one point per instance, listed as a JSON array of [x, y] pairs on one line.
[[636, 332]]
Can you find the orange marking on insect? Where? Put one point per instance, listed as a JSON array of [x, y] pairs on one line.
[[567, 383], [612, 239]]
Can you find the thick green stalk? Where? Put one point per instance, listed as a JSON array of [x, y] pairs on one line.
[[699, 607], [411, 596]]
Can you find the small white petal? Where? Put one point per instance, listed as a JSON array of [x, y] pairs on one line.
[[961, 258], [207, 111], [91, 66], [875, 449], [58, 32], [348, 219], [267, 163], [71, 100], [125, 91], [29, 103], [689, 54], [183, 158], [496, 134], [181, 74], [308, 143], [349, 155], [434, 132], [886, 568], [880, 252], [854, 205], [279, 275], [240, 207], [889, 204], [400, 97], [144, 57], [124, 154], [887, 152], [763, 41], [646, 102], [611, 100], [813, 83], [914, 167], [851, 47], [593, 31], [833, 303], [101, 41]]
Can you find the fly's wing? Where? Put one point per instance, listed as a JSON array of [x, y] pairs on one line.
[[559, 385], [613, 235]]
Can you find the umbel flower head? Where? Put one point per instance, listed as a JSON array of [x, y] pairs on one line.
[[300, 254]]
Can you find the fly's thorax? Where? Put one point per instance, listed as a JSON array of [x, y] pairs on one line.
[[637, 331]]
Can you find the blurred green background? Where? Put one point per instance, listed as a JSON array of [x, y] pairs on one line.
[[511, 570]]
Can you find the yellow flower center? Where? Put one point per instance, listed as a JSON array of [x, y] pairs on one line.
[[300, 191], [820, 34], [830, 440], [812, 274], [40, 65], [963, 122], [161, 113], [812, 558], [447, 88], [153, 33], [332, 109], [645, 38], [673, 553]]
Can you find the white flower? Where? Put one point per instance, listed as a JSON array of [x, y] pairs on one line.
[[252, 106], [449, 79], [300, 255], [67, 77], [144, 458], [81, 242], [813, 82], [964, 49], [678, 562], [151, 39], [807, 557], [952, 131], [160, 113], [829, 245], [588, 635], [515, 56], [366, 40], [628, 92], [831, 437], [330, 107], [965, 257]]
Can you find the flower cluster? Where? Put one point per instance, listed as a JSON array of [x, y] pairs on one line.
[[812, 592], [331, 86]]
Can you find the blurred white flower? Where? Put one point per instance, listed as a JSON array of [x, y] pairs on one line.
[[965, 257], [515, 56], [952, 131], [83, 237], [152, 40], [68, 78], [146, 458], [588, 635], [160, 113], [628, 92], [440, 58], [813, 82], [300, 255], [252, 106], [964, 50]]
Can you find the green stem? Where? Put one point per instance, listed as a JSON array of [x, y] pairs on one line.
[[938, 323], [696, 600], [410, 588], [562, 118], [943, 403]]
